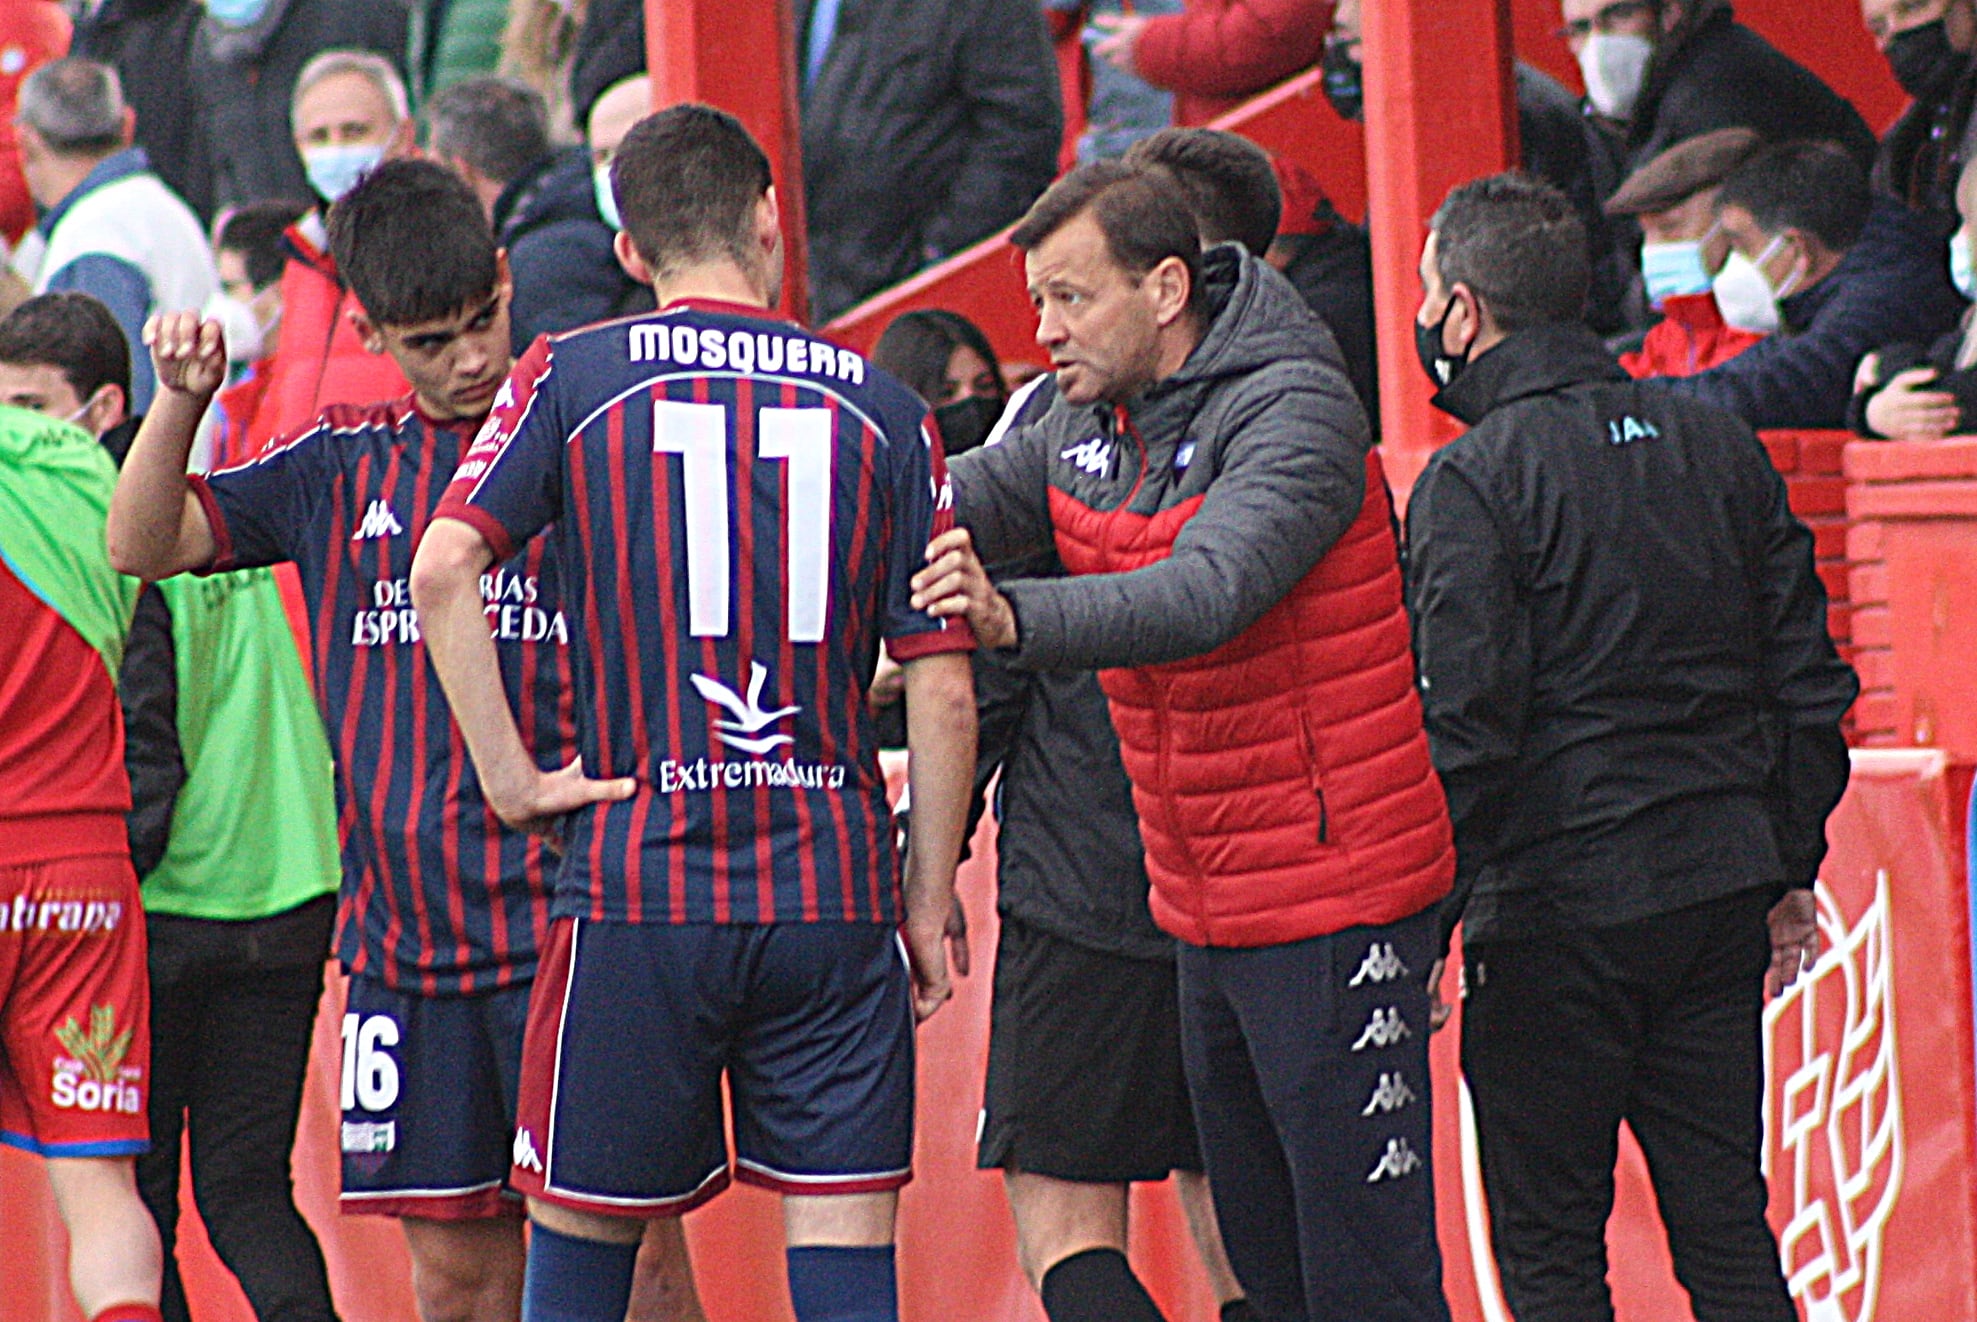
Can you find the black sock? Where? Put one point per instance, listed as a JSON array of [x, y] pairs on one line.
[[1096, 1286], [1238, 1310]]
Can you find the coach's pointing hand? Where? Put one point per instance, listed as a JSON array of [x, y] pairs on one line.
[[954, 583]]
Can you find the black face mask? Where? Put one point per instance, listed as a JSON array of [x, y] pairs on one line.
[[966, 423], [1441, 366], [1923, 61], [1344, 80]]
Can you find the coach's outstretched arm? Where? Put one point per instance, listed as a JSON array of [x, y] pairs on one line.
[[446, 592], [940, 737], [157, 526]]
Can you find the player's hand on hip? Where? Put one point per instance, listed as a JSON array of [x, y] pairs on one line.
[[188, 354], [925, 935], [539, 805], [1794, 923], [954, 583]]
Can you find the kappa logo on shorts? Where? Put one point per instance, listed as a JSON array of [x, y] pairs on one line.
[[744, 730], [1391, 1094], [93, 1077], [1380, 965], [1385, 1028], [1397, 1162], [370, 1135], [379, 521], [525, 1156]]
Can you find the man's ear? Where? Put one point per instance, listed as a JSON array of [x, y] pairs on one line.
[[1463, 322], [1171, 286], [367, 331], [404, 140], [629, 260], [768, 220], [128, 131], [504, 278]]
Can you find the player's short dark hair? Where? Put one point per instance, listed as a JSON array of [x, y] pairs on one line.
[[500, 126], [1227, 179], [73, 333], [255, 232], [1810, 186], [916, 346], [1519, 245], [687, 180], [413, 244], [1142, 213]]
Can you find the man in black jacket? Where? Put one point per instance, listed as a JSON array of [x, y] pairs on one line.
[[1635, 711], [1932, 51], [149, 43]]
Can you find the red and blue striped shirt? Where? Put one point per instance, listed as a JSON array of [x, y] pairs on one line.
[[739, 507], [438, 896]]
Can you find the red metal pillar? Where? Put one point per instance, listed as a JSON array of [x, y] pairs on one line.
[[1440, 110], [742, 58]]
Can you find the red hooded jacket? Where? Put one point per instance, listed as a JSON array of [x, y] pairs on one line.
[[1218, 52], [1691, 337]]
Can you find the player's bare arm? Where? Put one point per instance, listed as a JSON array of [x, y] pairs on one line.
[[940, 736], [157, 527], [446, 593], [955, 583]]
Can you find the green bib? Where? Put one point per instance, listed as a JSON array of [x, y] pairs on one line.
[[254, 830]]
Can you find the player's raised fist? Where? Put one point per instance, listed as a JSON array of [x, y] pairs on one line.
[[188, 354]]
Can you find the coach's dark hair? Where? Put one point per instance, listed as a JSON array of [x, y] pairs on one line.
[[1228, 181], [916, 346], [1519, 245], [73, 333], [1810, 186], [1142, 213], [687, 180], [413, 243], [500, 126], [255, 232]]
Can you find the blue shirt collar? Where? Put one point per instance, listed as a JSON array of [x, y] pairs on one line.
[[120, 165]]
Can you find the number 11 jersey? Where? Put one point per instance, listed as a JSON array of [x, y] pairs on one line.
[[739, 507]]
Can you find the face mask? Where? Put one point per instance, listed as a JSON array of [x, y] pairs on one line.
[[1923, 61], [237, 13], [1441, 366], [1744, 296], [1344, 79], [238, 324], [1615, 66], [607, 201], [966, 423], [1673, 269], [76, 417], [334, 171], [1960, 265]]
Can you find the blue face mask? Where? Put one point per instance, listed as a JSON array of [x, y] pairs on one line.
[[607, 201], [1673, 269], [237, 13], [1960, 265], [334, 171]]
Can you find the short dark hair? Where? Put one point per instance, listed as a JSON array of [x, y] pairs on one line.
[[412, 242], [1519, 245], [687, 180], [255, 232], [72, 332], [1227, 179], [76, 105], [916, 346], [1810, 186], [500, 126], [1142, 213]]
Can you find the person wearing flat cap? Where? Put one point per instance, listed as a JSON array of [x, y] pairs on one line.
[[1673, 197]]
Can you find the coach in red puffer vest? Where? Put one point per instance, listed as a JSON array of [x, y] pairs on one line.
[[1204, 472]]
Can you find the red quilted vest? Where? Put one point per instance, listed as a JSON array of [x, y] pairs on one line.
[[1282, 781]]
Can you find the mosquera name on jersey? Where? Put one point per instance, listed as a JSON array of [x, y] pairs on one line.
[[739, 508], [438, 896]]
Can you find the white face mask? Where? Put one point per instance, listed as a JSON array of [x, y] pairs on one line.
[[1615, 66], [239, 325], [607, 201], [1744, 295]]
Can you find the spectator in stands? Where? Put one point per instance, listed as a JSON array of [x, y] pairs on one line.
[[946, 360], [349, 111], [1215, 52], [247, 76], [905, 163], [610, 48], [544, 204], [539, 47], [1120, 107], [1330, 261], [111, 227], [1903, 392], [1556, 144], [1673, 197], [251, 250], [151, 44], [1635, 709], [1661, 71], [451, 41], [1931, 47], [1827, 272]]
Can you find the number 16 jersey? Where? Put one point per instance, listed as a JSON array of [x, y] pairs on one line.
[[739, 507]]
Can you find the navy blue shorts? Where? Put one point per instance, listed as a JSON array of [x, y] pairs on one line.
[[428, 1101], [634, 1025]]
